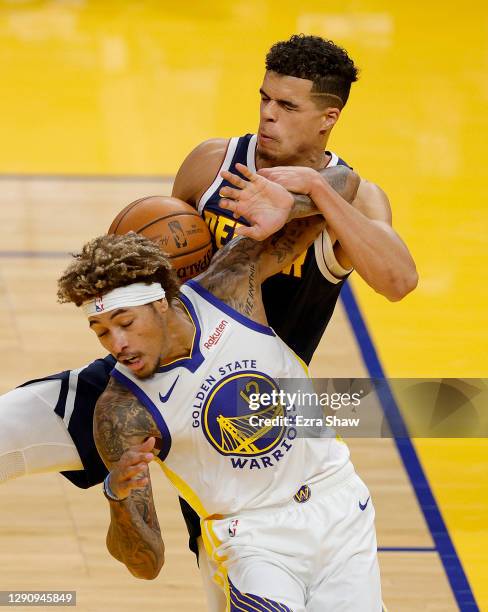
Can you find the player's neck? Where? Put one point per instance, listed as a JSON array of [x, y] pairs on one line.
[[316, 159], [180, 332]]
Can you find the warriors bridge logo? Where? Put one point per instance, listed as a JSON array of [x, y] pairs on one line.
[[227, 419]]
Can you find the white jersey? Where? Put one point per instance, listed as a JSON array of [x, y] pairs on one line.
[[218, 451]]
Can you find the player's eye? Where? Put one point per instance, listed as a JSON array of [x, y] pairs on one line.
[[102, 334], [126, 323]]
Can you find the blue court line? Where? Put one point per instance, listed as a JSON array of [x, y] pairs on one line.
[[443, 543]]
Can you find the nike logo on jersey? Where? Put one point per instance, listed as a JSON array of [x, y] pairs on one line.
[[165, 398], [363, 506]]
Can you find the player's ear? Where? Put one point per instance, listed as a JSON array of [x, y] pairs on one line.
[[161, 306], [329, 118]]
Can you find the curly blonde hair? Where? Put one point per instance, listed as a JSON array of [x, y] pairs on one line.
[[111, 261]]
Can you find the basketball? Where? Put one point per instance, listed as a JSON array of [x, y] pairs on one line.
[[175, 226]]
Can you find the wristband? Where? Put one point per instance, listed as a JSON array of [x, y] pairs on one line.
[[107, 491]]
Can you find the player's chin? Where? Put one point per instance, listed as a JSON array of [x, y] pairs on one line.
[[269, 153], [147, 370]]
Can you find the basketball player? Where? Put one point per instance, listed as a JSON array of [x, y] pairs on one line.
[[272, 552], [306, 85]]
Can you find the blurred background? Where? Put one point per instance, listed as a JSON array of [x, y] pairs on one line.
[[99, 99]]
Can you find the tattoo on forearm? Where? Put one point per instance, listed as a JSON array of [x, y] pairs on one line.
[[134, 535], [302, 207], [251, 292], [282, 243], [237, 270], [340, 178]]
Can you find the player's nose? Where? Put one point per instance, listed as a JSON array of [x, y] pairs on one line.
[[269, 111], [118, 342]]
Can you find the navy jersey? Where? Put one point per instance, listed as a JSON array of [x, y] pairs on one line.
[[300, 300]]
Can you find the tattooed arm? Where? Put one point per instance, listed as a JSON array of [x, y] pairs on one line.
[[125, 434], [237, 270], [365, 237]]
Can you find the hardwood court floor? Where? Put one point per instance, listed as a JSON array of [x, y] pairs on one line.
[[52, 536]]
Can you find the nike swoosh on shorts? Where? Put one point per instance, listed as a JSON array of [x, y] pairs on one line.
[[363, 506]]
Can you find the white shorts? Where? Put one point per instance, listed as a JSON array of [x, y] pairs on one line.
[[315, 555], [33, 438]]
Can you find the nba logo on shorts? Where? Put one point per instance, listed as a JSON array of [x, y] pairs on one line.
[[233, 527], [99, 304]]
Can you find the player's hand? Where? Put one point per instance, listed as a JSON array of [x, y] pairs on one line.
[[293, 178], [132, 471], [264, 204]]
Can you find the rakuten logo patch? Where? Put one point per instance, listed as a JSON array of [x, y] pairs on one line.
[[215, 337]]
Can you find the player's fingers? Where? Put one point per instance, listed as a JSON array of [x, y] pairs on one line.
[[148, 444], [132, 457], [137, 483], [249, 232], [272, 175], [268, 173], [229, 204], [230, 192], [136, 471], [145, 447], [235, 180], [244, 170]]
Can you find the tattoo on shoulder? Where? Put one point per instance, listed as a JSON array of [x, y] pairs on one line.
[[233, 275], [119, 420]]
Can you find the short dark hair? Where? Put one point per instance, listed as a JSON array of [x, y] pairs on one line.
[[316, 59]]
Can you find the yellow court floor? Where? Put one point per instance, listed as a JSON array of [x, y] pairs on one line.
[[124, 90]]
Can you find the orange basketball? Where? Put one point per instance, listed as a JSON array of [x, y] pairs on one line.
[[176, 227]]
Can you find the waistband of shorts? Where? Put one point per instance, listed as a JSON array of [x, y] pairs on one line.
[[326, 484], [319, 484]]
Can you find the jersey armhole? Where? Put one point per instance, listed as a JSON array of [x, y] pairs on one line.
[[229, 154]]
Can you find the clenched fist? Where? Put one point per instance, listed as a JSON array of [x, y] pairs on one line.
[[131, 471]]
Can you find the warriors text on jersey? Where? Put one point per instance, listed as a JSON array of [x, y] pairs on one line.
[[215, 449]]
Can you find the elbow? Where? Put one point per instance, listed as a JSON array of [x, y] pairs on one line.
[[147, 572], [147, 568], [402, 286]]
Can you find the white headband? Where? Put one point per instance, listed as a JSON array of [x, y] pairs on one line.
[[136, 294]]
